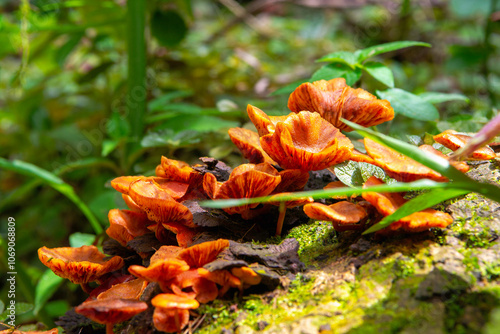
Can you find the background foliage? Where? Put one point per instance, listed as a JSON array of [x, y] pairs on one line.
[[74, 102]]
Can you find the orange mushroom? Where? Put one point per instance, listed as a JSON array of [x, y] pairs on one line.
[[111, 311], [160, 269], [80, 265], [307, 142], [245, 181], [399, 166], [125, 225], [172, 312], [248, 143], [454, 141], [198, 255], [128, 290], [334, 100], [191, 284], [388, 203], [246, 275], [176, 170], [223, 278], [343, 215], [263, 123], [460, 165]]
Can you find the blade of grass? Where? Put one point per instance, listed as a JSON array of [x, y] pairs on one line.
[[316, 194], [419, 203], [56, 183]]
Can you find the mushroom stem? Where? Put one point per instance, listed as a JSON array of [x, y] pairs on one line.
[[281, 218], [109, 329], [86, 288]]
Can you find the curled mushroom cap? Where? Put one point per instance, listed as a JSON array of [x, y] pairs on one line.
[[180, 171], [454, 140], [128, 290], [334, 100], [245, 181], [191, 284], [160, 270], [172, 312], [198, 255], [344, 215], [78, 264], [125, 225], [263, 123], [111, 311], [307, 142], [248, 143], [399, 166], [158, 203], [387, 203]]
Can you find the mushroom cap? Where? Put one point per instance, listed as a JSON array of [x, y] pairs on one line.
[[245, 181], [170, 320], [341, 213], [263, 123], [197, 286], [180, 171], [292, 180], [454, 140], [460, 165], [248, 143], [158, 203], [127, 290], [184, 235], [307, 142], [165, 252], [131, 204], [222, 277], [246, 275], [78, 264], [125, 225], [334, 100], [122, 183], [198, 255], [111, 311], [161, 270], [399, 166], [171, 301], [387, 203]]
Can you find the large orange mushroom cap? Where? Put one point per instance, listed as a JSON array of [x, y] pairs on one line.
[[454, 140], [344, 215], [387, 203], [158, 203], [248, 143], [125, 225], [399, 166], [128, 290], [334, 100], [198, 255], [307, 142], [172, 312], [78, 264]]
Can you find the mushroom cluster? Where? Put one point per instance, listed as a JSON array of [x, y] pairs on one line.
[[167, 259]]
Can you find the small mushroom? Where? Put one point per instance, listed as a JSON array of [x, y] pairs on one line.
[[454, 141], [198, 255], [191, 284], [223, 278], [307, 142], [80, 265], [248, 143], [343, 215], [399, 166], [334, 100], [125, 225], [175, 170], [388, 203], [172, 312], [160, 270], [111, 311], [247, 276]]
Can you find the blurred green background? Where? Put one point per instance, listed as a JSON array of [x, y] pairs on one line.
[[94, 89]]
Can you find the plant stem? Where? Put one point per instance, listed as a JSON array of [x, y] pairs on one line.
[[281, 218], [137, 93]]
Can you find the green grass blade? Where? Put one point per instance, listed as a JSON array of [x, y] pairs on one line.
[[419, 203], [55, 182], [316, 194]]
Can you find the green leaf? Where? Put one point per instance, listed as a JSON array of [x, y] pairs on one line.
[[109, 146], [380, 72], [2, 306], [333, 71], [46, 287], [167, 137], [79, 239], [200, 123], [435, 97], [55, 182], [343, 57], [94, 73], [169, 28], [354, 174], [372, 51], [466, 8], [418, 203], [165, 100], [409, 105], [65, 50], [117, 126], [20, 308]]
